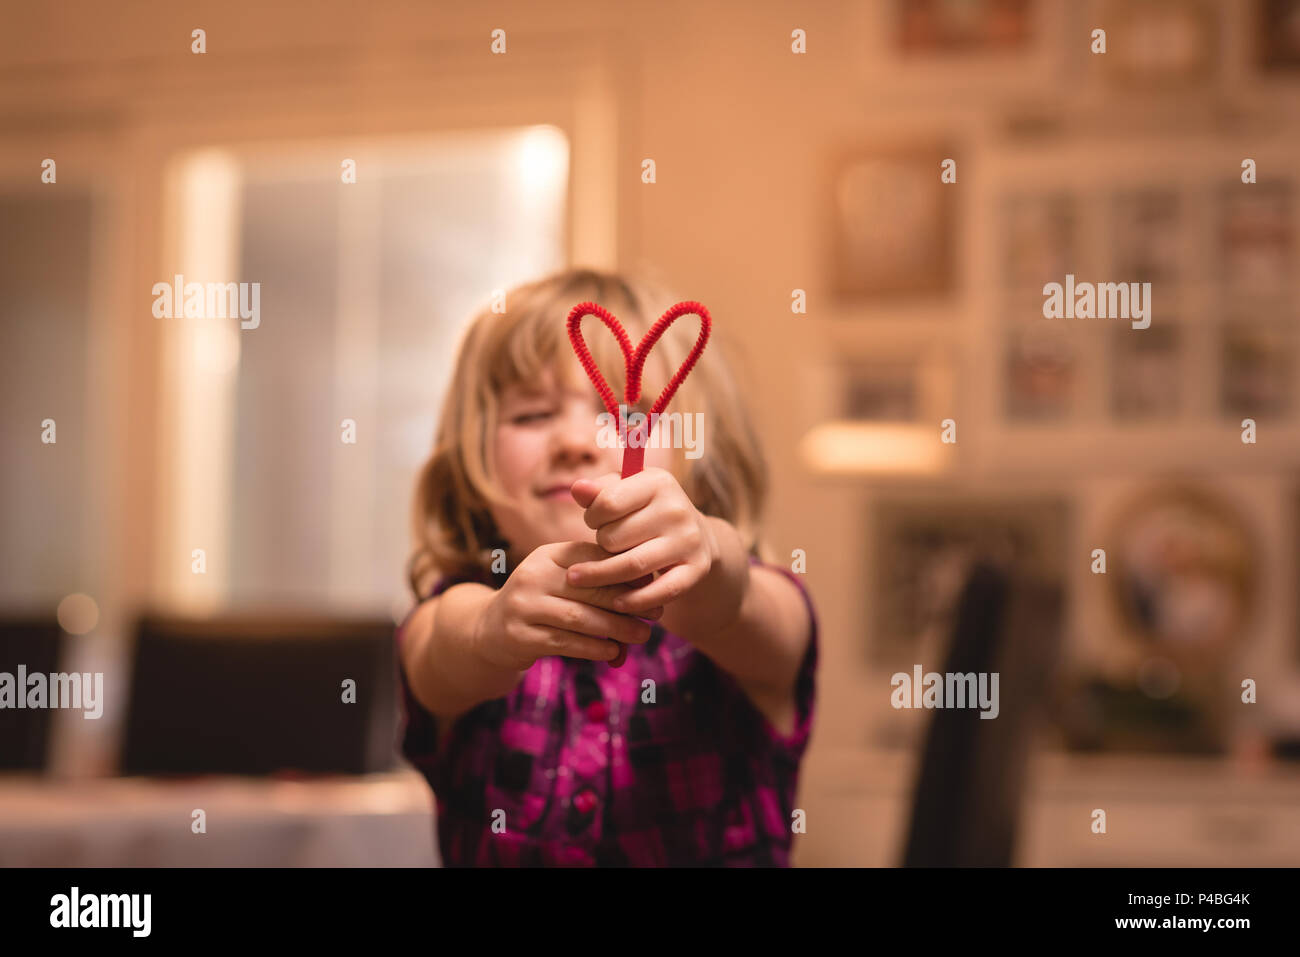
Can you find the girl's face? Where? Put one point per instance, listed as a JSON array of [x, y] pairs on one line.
[[546, 439]]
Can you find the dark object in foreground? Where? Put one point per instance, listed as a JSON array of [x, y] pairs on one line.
[[36, 643], [971, 779], [259, 694]]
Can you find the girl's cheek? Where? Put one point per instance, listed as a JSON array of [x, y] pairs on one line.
[[512, 457]]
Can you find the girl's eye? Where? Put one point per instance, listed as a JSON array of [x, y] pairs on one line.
[[523, 418]]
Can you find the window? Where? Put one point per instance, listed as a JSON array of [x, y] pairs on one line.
[[365, 288]]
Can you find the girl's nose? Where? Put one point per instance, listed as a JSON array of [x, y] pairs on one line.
[[574, 435]]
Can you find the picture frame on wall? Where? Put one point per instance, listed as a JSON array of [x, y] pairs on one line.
[[947, 50], [892, 223], [1039, 234], [1174, 611], [1183, 573], [1257, 371], [1147, 234], [923, 546], [1161, 44], [881, 391], [1278, 35], [1256, 239], [1146, 377], [1041, 369], [962, 26]]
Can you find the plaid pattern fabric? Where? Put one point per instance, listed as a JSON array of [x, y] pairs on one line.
[[662, 762]]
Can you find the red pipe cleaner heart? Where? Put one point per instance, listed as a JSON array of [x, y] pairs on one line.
[[634, 452], [634, 361]]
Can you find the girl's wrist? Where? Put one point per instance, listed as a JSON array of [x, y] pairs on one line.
[[479, 643], [735, 561], [716, 599]]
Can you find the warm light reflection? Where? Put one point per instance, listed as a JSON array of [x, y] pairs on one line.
[[77, 614], [541, 160], [874, 448], [201, 369]]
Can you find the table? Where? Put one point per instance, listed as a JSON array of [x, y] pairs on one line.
[[379, 820], [1162, 810]]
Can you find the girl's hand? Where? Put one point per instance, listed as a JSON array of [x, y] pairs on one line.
[[538, 612], [650, 522]]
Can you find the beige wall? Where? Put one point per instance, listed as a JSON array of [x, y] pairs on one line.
[[735, 125]]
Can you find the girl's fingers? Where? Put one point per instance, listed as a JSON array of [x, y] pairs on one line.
[[585, 619], [620, 498], [618, 659], [570, 644], [667, 587], [602, 597], [628, 531], [584, 491], [645, 559], [565, 554], [655, 613]]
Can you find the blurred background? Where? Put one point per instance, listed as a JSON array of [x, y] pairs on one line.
[[216, 517]]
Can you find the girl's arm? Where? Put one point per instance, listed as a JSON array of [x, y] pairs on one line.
[[750, 620], [473, 643], [442, 630]]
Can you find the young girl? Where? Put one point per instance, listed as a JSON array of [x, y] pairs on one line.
[[541, 747]]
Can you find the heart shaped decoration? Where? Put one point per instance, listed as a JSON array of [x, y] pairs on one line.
[[634, 360]]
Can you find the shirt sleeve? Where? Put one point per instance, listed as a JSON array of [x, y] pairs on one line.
[[805, 688], [418, 731]]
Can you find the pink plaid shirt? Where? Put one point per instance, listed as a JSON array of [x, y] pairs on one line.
[[662, 762]]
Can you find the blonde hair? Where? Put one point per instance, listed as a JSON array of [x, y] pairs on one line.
[[454, 532]]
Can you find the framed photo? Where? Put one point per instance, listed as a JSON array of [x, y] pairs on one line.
[[1041, 368], [1258, 368], [1183, 574], [892, 223], [946, 52], [881, 392], [1278, 38], [923, 547], [1158, 44], [1184, 570], [1256, 241], [1039, 241], [1145, 371], [1147, 234], [962, 26]]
